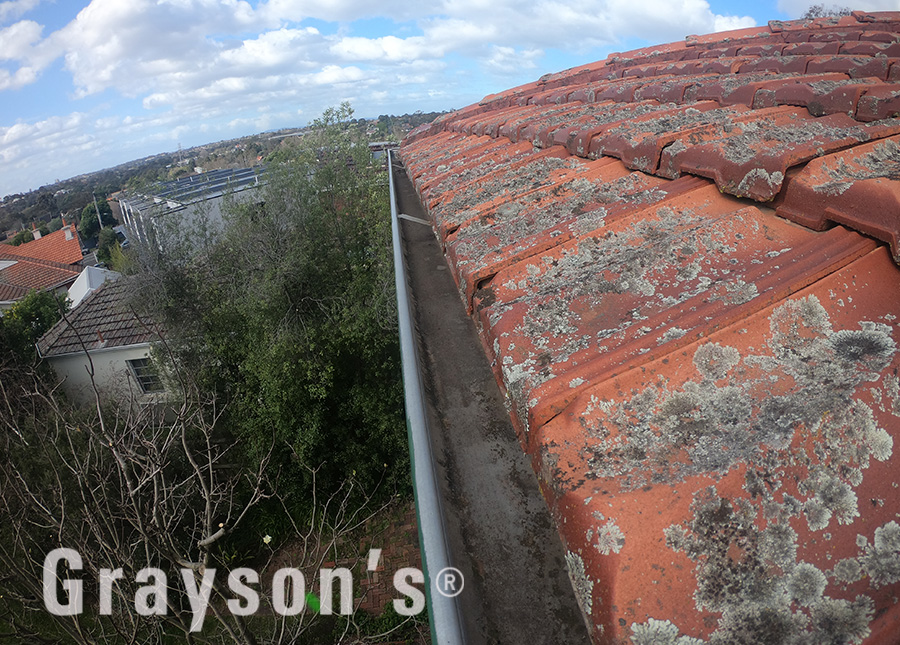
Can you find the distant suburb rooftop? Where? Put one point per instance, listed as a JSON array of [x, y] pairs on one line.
[[681, 262]]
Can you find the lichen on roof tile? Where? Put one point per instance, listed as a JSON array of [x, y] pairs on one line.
[[707, 385]]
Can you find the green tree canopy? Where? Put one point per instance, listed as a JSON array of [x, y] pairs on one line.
[[90, 225], [21, 237], [290, 314], [106, 241], [28, 320]]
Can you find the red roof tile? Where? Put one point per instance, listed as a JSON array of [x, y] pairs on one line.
[[667, 256], [24, 274], [54, 247]]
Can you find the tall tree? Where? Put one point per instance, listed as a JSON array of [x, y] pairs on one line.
[[289, 314], [90, 224]]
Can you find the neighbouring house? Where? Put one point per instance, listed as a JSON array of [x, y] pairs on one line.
[[186, 207], [20, 274], [50, 262], [102, 333], [681, 262], [63, 246]]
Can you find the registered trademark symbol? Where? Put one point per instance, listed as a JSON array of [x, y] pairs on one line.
[[449, 582]]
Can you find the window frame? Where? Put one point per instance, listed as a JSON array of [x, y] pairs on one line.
[[146, 375]]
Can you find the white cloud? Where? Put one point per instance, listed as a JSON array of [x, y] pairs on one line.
[[17, 80], [332, 74], [21, 142], [456, 34], [275, 12], [728, 23], [387, 48], [17, 40], [509, 60], [283, 49], [166, 50], [218, 66], [16, 8]]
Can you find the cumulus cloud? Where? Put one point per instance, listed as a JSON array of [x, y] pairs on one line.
[[386, 48], [173, 47], [272, 50], [19, 39], [15, 9], [279, 11], [509, 60], [21, 142], [728, 23]]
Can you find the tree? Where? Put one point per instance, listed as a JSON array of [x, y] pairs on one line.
[[28, 320], [126, 489], [284, 418], [22, 237], [90, 225], [55, 224], [290, 314], [823, 11], [106, 242]]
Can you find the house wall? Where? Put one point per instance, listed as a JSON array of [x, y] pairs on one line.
[[111, 373]]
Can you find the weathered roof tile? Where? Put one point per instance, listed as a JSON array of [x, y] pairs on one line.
[[707, 385], [820, 95], [102, 321], [857, 187], [879, 102]]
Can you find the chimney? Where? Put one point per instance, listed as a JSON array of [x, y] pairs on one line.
[[34, 232], [68, 230]]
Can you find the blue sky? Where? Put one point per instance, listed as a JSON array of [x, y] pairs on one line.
[[88, 85]]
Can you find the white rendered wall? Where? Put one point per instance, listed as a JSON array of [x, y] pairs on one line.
[[111, 374]]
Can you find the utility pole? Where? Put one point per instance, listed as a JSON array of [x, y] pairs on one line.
[[97, 209]]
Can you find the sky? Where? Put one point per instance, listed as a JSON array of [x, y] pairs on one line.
[[89, 85]]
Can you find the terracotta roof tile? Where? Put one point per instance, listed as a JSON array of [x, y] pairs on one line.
[[857, 187], [669, 256], [53, 246], [879, 102], [829, 94], [25, 274]]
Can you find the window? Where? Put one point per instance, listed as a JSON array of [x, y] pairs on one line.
[[146, 375]]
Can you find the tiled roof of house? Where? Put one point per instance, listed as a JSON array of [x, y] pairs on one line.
[[101, 321], [19, 275], [681, 264], [61, 246]]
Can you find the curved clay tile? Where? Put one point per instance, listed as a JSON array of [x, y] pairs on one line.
[[681, 261]]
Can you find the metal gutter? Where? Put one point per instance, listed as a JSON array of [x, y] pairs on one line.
[[443, 612]]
